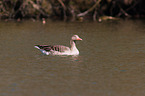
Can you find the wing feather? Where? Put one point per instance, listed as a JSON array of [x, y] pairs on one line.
[[59, 48]]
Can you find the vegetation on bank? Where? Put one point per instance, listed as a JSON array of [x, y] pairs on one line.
[[71, 9]]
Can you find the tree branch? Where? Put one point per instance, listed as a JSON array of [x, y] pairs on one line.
[[123, 12], [89, 10], [64, 9], [37, 7]]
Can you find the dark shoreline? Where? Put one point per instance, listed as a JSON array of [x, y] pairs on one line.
[[71, 10]]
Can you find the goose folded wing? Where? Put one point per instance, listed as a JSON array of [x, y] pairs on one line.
[[60, 48]]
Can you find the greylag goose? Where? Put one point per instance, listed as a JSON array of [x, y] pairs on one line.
[[60, 49]]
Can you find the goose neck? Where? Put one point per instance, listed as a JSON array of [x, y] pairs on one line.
[[73, 44]]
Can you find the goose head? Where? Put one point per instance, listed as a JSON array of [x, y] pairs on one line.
[[76, 37]]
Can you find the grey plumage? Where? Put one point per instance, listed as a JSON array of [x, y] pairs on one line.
[[59, 48]]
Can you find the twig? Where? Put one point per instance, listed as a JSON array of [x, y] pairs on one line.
[[64, 9], [89, 10], [37, 7], [132, 6], [72, 13], [34, 5], [95, 14], [123, 12], [60, 1]]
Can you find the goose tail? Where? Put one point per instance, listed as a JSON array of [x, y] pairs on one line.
[[37, 46]]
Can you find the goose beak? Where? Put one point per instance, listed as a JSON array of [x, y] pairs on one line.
[[79, 39]]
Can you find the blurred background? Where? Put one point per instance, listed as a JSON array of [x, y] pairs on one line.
[[71, 9]]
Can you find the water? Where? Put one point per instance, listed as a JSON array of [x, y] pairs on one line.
[[111, 60]]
